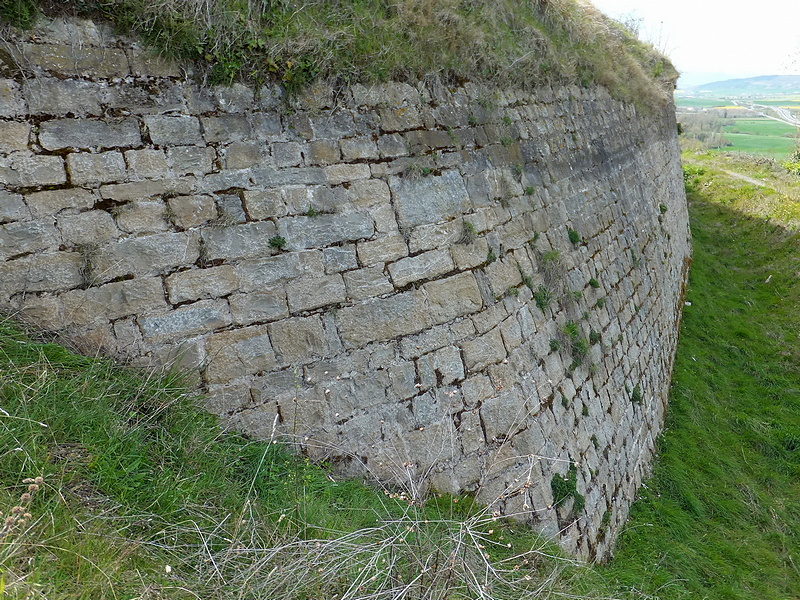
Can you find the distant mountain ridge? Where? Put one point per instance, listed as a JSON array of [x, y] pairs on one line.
[[761, 85]]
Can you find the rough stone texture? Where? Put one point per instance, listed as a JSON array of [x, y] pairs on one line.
[[364, 273]]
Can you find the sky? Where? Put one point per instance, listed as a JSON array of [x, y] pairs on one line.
[[713, 40]]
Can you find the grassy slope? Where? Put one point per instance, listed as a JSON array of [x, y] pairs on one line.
[[500, 42], [721, 516]]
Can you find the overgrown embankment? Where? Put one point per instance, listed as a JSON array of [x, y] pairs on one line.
[[502, 43]]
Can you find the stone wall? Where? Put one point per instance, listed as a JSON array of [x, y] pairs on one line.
[[451, 287]]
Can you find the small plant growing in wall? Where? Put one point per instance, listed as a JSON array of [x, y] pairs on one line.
[[555, 345], [491, 256], [662, 208], [542, 296], [564, 488], [601, 302], [574, 236], [636, 394], [468, 233], [278, 242], [594, 283], [529, 190]]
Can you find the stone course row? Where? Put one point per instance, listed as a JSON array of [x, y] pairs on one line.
[[385, 275]]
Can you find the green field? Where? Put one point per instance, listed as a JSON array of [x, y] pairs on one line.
[[764, 127], [701, 102], [781, 103]]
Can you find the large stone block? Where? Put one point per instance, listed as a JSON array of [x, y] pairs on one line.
[[367, 283], [143, 217], [191, 160], [147, 163], [114, 301], [12, 104], [145, 255], [428, 265], [14, 136], [237, 353], [226, 128], [23, 169], [74, 59], [431, 199], [314, 292], [186, 321], [41, 273], [201, 283], [259, 306], [239, 241], [187, 212], [384, 249], [263, 273], [87, 228], [325, 230], [380, 319], [13, 207], [299, 340], [89, 133], [140, 190], [178, 130], [453, 297], [22, 237], [49, 202], [86, 168], [62, 97]]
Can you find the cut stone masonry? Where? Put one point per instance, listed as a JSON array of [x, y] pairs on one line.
[[382, 275]]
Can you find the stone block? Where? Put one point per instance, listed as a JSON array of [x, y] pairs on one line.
[[469, 256], [264, 204], [22, 237], [236, 98], [191, 211], [23, 169], [87, 228], [62, 97], [179, 130], [484, 350], [114, 301], [140, 190], [41, 273], [47, 203], [197, 284], [442, 367], [13, 207], [242, 155], [268, 177], [261, 273], [147, 164], [384, 249], [338, 174], [299, 340], [432, 339], [423, 266], [144, 255], [287, 154], [146, 63], [400, 119], [424, 200], [367, 283], [314, 292], [325, 230], [146, 97], [239, 241], [363, 148], [191, 160], [392, 146], [323, 152], [12, 103], [380, 319], [333, 125], [84, 134], [314, 200], [339, 258], [502, 275], [437, 235], [87, 168], [143, 217], [385, 94], [74, 59], [14, 136], [226, 128], [237, 353], [368, 192], [453, 297], [258, 306], [193, 319]]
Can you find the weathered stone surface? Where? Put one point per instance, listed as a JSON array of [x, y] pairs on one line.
[[324, 230], [143, 217], [74, 59], [147, 164], [384, 249], [87, 228], [380, 319], [242, 155], [191, 211], [89, 133], [201, 283], [226, 128], [234, 354], [299, 340], [367, 283], [314, 292], [140, 190], [23, 169], [453, 297], [260, 306], [323, 152], [190, 160], [23, 237], [370, 192], [239, 241], [264, 204], [429, 199], [359, 149], [423, 266], [12, 103], [144, 255], [114, 300], [337, 174], [257, 274], [339, 258], [13, 207], [14, 136], [41, 273], [43, 204], [181, 130], [86, 168], [484, 350], [192, 319], [62, 97]]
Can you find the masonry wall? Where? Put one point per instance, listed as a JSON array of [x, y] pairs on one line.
[[451, 287]]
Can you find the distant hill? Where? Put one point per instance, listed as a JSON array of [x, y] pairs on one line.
[[762, 85]]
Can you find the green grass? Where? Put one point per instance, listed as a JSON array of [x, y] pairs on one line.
[[720, 519], [701, 102], [771, 146], [499, 42], [766, 127]]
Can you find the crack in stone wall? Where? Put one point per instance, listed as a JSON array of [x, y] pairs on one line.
[[449, 287]]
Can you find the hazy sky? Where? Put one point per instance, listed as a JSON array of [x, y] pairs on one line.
[[709, 40]]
